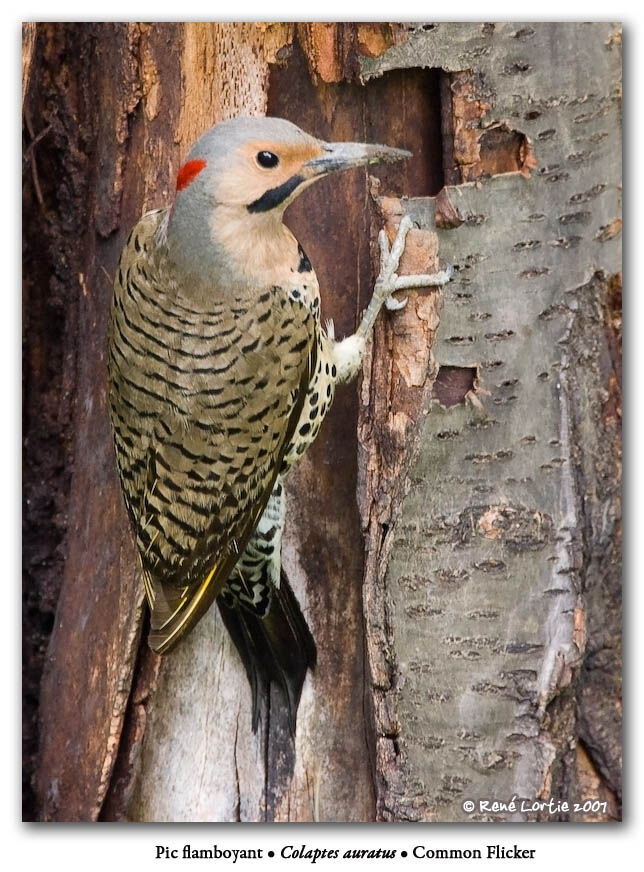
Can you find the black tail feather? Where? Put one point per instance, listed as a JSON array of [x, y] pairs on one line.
[[278, 648]]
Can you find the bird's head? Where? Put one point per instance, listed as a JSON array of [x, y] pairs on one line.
[[238, 179]]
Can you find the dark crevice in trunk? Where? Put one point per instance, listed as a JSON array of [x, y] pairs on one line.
[[54, 172]]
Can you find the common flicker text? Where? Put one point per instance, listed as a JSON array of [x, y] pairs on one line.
[[315, 854]]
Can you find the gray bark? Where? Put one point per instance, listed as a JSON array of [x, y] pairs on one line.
[[483, 572]]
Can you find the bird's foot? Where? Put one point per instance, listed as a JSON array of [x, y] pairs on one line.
[[389, 260], [388, 281], [429, 280]]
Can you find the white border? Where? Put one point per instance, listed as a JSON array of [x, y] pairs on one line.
[[132, 847]]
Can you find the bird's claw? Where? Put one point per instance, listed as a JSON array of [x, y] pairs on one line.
[[390, 254], [388, 281], [395, 305], [430, 280], [384, 250]]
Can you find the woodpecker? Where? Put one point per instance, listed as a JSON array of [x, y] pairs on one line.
[[220, 374]]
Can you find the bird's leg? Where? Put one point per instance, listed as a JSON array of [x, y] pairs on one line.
[[349, 351]]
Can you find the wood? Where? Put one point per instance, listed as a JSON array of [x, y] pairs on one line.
[[480, 587], [453, 535]]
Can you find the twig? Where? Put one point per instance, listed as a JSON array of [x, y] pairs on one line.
[[32, 157]]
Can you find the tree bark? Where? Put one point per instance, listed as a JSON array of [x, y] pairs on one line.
[[453, 535], [493, 545]]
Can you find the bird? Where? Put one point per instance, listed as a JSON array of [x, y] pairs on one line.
[[220, 374]]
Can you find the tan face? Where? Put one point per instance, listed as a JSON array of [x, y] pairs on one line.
[[246, 180]]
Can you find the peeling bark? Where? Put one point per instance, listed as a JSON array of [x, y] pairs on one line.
[[333, 49]]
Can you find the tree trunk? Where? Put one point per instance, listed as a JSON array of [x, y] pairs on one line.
[[454, 533]]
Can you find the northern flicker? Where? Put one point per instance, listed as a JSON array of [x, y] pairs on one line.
[[220, 376]]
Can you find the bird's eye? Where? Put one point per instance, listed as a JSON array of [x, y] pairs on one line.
[[267, 159]]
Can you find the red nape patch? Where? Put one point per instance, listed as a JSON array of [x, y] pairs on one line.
[[188, 172]]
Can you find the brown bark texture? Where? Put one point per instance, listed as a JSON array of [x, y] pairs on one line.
[[454, 533]]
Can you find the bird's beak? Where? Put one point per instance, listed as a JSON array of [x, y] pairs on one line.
[[346, 155]]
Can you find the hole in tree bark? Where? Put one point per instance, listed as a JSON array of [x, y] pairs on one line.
[[407, 104], [475, 147], [401, 108], [503, 150], [453, 383]]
